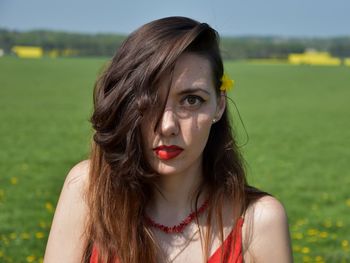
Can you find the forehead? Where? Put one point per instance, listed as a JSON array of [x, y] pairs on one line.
[[192, 70]]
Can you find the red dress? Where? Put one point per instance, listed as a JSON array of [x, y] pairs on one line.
[[232, 247]]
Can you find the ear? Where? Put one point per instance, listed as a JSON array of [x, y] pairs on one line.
[[221, 105]]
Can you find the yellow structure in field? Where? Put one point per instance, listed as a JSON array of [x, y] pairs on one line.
[[53, 53], [28, 51], [314, 58], [347, 62]]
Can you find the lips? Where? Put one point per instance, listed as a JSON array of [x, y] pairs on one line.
[[165, 152]]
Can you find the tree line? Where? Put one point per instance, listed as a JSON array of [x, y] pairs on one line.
[[231, 47]]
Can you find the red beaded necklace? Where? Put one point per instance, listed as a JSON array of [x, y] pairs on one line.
[[180, 227]]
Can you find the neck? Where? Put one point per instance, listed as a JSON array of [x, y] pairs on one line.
[[172, 201]]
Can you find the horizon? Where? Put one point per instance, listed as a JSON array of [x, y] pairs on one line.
[[221, 35], [231, 18]]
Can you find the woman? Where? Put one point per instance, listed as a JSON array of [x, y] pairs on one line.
[[165, 181]]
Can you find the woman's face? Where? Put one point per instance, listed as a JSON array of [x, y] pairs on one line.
[[191, 106]]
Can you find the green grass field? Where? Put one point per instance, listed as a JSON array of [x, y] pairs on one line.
[[297, 119]]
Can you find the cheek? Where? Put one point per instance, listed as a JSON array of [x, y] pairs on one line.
[[198, 130], [204, 122]]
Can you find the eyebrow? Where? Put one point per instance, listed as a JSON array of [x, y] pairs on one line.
[[193, 90]]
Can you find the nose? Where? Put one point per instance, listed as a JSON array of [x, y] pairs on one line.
[[168, 124]]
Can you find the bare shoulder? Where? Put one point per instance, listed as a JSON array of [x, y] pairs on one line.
[[78, 175], [66, 239], [269, 232], [269, 210]]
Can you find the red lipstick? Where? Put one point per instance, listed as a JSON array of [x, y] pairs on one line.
[[165, 152]]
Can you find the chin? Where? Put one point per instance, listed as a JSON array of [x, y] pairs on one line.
[[164, 169], [168, 171]]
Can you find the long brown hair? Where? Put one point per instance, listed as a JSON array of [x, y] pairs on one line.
[[120, 178]]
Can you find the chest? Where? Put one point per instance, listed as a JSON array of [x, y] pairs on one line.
[[189, 246]]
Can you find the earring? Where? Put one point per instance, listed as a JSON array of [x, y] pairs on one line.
[[214, 120]]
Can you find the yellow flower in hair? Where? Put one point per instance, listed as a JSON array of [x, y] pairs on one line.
[[227, 83]]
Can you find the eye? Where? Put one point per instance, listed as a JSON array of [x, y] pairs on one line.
[[192, 100]]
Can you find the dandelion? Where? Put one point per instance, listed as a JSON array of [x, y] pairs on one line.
[[30, 258], [305, 250], [327, 223], [348, 202], [13, 235], [297, 235], [25, 235], [41, 260], [227, 83], [301, 222], [49, 207], [5, 240], [339, 223], [323, 234], [14, 180], [296, 248], [345, 243], [39, 235], [319, 259], [312, 232], [42, 224]]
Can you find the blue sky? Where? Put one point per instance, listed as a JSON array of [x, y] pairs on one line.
[[309, 18]]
